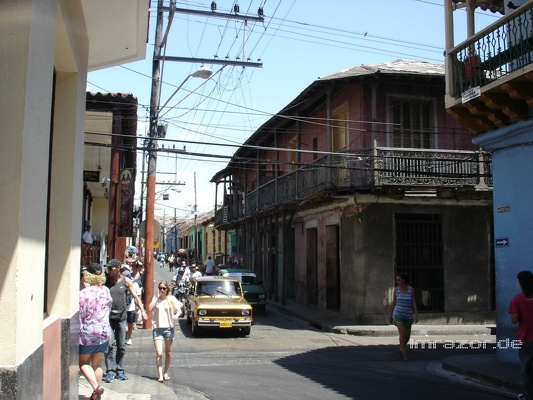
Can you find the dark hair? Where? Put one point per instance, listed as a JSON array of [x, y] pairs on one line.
[[525, 278], [404, 276]]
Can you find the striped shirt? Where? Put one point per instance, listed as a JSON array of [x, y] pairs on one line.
[[404, 306]]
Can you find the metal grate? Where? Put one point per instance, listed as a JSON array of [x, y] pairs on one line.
[[419, 255]]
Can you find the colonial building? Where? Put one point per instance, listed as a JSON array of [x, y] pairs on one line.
[[110, 166], [47, 49], [362, 176], [489, 89]]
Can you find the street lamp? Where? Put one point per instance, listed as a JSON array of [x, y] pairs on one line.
[[203, 73]]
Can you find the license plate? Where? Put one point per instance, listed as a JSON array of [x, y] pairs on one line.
[[225, 324]]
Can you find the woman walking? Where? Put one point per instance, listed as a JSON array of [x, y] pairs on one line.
[[165, 310], [403, 311], [95, 332]]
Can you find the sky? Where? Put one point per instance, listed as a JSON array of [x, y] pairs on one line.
[[298, 41]]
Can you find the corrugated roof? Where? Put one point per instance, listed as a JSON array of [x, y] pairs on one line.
[[396, 67]]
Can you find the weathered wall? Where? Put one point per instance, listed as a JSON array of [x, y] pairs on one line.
[[367, 267]]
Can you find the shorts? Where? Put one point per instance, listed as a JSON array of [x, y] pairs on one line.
[[401, 320], [163, 333], [130, 317], [94, 348]]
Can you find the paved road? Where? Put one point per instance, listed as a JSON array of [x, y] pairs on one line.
[[283, 358]]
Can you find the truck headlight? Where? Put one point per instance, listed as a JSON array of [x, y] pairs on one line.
[[262, 296], [246, 312], [202, 312]]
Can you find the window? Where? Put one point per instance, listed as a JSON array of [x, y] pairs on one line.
[[419, 251], [412, 122], [339, 124], [293, 155], [339, 141]]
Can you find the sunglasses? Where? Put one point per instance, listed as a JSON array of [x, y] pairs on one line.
[[162, 288]]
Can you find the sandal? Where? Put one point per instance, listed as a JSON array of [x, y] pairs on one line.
[[166, 377], [97, 393], [160, 380]]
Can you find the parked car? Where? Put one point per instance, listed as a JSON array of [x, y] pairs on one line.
[[253, 291], [217, 302]]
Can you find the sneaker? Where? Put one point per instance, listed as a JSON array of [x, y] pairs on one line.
[[108, 378], [122, 376], [129, 341]]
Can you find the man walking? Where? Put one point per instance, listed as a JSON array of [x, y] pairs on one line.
[[521, 310], [118, 286], [209, 266]]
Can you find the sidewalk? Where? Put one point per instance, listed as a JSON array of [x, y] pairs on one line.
[[485, 369]]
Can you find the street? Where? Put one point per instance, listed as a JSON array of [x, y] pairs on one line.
[[285, 358]]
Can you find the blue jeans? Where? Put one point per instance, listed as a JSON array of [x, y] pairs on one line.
[[114, 358], [526, 360]]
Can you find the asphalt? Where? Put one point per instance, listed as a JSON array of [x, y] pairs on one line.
[[483, 368]]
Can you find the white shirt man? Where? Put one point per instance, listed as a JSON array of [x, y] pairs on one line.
[[87, 237], [209, 266], [196, 273]]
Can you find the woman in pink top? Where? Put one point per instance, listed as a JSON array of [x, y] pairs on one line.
[[165, 310], [95, 332]]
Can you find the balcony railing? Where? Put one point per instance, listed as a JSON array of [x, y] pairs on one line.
[[493, 53], [376, 168]]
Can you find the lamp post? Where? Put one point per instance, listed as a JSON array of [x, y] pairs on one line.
[[203, 73]]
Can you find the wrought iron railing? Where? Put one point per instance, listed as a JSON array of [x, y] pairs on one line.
[[438, 168], [496, 51], [379, 167]]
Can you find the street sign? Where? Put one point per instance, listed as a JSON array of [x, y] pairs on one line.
[[502, 242], [157, 228]]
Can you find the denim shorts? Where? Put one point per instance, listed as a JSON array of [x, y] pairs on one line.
[[94, 348], [130, 317], [163, 333]]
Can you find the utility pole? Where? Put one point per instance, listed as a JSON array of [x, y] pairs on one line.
[[175, 232], [159, 42], [195, 219], [151, 174]]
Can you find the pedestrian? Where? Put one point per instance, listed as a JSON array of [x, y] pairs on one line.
[[171, 262], [131, 314], [95, 331], [118, 286], [403, 311], [196, 273], [165, 310], [521, 310], [209, 266], [87, 237]]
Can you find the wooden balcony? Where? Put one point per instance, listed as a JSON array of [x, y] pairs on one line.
[[489, 77], [383, 170]]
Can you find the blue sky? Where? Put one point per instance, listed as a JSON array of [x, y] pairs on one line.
[[299, 41]]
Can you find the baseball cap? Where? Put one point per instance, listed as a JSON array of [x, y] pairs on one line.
[[113, 263], [94, 268]]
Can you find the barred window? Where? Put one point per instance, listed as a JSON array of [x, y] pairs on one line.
[[419, 254]]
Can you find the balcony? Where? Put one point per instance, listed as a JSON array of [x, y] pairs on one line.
[[383, 170], [490, 76]]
